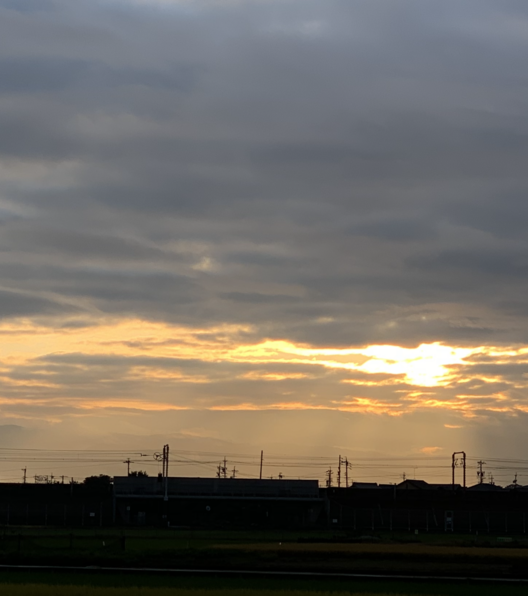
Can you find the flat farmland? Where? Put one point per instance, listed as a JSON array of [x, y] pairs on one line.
[[47, 590], [389, 558], [436, 555], [98, 584], [383, 549]]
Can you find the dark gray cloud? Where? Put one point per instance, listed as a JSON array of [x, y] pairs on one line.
[[27, 5], [330, 172], [16, 304], [20, 76]]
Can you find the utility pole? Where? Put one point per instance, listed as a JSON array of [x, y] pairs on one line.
[[25, 474], [339, 473], [329, 478], [347, 464], [234, 472], [455, 463], [128, 461], [222, 469], [481, 472], [166, 460], [166, 471], [261, 462]]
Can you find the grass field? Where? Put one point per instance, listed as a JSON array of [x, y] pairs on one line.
[[47, 590], [382, 549], [97, 584], [405, 554]]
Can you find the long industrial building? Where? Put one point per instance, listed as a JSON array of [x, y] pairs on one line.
[[217, 501]]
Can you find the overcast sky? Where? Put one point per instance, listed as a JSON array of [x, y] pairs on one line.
[[214, 212]]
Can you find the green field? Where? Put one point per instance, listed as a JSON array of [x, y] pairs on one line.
[[98, 584], [48, 590], [398, 554]]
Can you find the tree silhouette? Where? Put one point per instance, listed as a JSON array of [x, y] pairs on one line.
[[138, 474]]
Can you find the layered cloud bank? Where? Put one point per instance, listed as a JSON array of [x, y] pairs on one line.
[[209, 208], [138, 365]]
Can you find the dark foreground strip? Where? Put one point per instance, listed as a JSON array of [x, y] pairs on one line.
[[263, 574]]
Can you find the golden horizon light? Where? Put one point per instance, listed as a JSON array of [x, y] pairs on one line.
[[41, 359]]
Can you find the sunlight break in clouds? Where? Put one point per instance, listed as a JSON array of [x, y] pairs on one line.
[[427, 365], [146, 366]]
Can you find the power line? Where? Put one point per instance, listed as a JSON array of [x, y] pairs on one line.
[[247, 465]]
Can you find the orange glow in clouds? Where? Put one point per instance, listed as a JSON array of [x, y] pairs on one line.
[[135, 364]]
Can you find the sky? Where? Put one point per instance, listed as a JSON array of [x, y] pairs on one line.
[[296, 226]]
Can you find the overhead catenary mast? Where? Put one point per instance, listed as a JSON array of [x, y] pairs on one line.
[[481, 473], [455, 463]]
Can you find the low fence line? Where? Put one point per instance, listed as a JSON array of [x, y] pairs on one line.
[[428, 520]]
